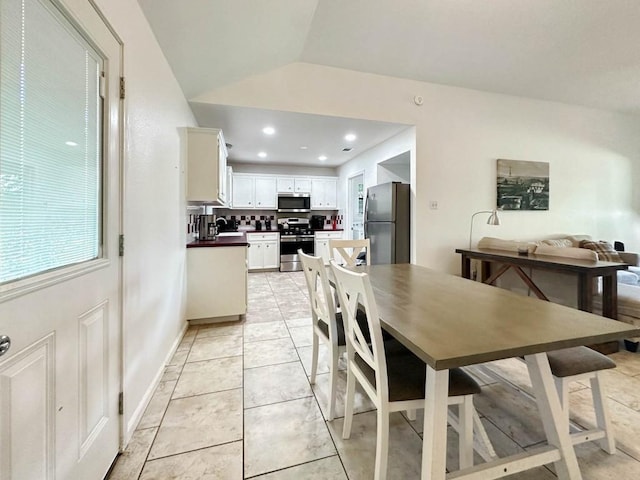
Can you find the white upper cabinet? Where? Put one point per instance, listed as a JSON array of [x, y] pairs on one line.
[[243, 191], [266, 195], [324, 194], [286, 185], [294, 185], [254, 191], [302, 185], [206, 155]]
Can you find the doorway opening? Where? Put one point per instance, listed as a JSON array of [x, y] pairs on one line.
[[356, 206]]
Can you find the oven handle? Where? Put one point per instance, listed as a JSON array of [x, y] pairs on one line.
[[294, 239]]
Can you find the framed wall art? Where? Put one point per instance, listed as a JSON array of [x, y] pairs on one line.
[[522, 185]]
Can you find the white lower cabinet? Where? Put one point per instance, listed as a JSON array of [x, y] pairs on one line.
[[264, 250], [216, 282], [322, 244]]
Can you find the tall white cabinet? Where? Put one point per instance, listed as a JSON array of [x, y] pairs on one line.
[[206, 166]]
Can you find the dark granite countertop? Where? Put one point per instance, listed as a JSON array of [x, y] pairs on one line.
[[234, 241]]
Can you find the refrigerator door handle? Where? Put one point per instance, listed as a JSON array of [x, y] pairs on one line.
[[366, 215]]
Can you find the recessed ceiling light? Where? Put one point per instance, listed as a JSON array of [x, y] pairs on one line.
[[262, 154], [268, 130], [71, 144], [303, 147], [322, 158], [350, 137]]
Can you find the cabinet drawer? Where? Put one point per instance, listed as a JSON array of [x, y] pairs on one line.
[[257, 237], [328, 235]]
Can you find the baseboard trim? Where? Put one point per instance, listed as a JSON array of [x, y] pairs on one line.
[[133, 422]]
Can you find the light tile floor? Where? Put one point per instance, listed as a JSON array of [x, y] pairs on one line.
[[235, 403]]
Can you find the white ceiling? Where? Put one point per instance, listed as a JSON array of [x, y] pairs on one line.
[[322, 135], [582, 52]]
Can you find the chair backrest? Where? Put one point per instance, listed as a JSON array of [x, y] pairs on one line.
[[320, 296], [348, 250], [355, 293]]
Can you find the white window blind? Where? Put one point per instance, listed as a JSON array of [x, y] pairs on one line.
[[50, 142]]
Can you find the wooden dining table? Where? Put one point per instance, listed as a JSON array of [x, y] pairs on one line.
[[451, 322]]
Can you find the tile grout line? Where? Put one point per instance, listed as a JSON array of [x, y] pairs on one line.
[[146, 459]]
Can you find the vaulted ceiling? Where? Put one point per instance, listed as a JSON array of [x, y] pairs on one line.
[[583, 52]]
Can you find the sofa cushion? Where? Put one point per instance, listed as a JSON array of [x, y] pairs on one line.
[[604, 250], [501, 244], [568, 252], [558, 242], [630, 278]]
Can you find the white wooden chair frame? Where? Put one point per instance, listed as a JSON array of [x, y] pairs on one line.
[[322, 309], [348, 250], [354, 289]]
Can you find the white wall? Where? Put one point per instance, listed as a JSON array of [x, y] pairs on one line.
[[594, 156], [154, 262]]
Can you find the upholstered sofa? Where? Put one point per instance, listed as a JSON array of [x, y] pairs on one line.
[[561, 288]]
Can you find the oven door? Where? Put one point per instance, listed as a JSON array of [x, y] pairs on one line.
[[289, 258]]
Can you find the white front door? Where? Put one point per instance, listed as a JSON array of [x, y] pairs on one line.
[[60, 378]]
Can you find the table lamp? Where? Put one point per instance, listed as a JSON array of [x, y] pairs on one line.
[[492, 220]]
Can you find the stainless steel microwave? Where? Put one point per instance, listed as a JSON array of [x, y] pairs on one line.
[[294, 202]]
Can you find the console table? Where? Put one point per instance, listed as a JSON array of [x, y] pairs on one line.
[[584, 270]]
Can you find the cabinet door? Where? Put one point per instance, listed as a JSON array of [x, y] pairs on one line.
[[302, 185], [322, 250], [223, 188], [271, 259], [243, 188], [203, 166], [331, 194], [285, 185], [265, 192], [318, 194], [255, 255]]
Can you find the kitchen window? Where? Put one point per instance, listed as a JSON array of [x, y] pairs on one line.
[[50, 142]]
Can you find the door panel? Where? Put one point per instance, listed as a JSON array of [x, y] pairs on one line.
[[27, 413], [60, 381], [382, 238]]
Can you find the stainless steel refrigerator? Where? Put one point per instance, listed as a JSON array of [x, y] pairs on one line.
[[387, 222]]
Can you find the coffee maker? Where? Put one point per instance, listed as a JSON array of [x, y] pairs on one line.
[[206, 227], [317, 222]]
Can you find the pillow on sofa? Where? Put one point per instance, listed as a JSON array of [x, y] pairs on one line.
[[576, 239], [558, 242], [568, 252], [604, 250]]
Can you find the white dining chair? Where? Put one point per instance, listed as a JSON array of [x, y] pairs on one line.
[[582, 363], [348, 251], [393, 377], [326, 321]]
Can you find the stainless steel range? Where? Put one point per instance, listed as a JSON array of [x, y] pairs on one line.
[[294, 234]]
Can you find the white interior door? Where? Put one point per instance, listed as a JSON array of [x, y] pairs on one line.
[[60, 378]]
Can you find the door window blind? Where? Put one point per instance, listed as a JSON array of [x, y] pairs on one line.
[[50, 142]]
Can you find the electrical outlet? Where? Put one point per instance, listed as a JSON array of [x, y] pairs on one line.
[[433, 204]]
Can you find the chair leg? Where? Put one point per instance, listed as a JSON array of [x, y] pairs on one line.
[[314, 359], [333, 382], [382, 443], [348, 403], [465, 433], [608, 443]]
